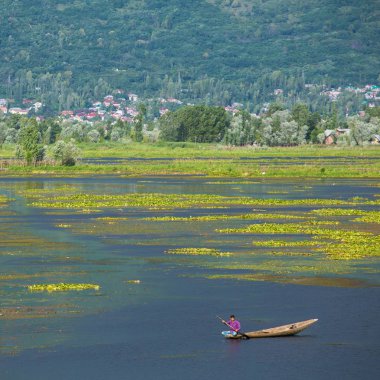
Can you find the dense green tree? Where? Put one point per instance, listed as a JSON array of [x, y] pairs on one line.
[[139, 122], [66, 153], [29, 141], [274, 107], [300, 114], [373, 112], [195, 123]]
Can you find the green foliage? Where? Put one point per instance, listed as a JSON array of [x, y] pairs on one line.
[[139, 123], [67, 153], [28, 141], [195, 123], [373, 112], [66, 52], [300, 114]]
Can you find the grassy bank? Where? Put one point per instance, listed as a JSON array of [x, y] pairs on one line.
[[216, 161], [192, 150]]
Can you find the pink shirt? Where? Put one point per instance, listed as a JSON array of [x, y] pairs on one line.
[[235, 325]]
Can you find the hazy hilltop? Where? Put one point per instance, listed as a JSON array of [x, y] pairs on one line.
[[218, 49]]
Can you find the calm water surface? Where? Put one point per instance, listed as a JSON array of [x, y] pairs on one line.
[[165, 326]]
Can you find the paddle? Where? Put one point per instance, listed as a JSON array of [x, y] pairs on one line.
[[237, 331]]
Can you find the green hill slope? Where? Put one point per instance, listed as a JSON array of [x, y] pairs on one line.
[[69, 51]]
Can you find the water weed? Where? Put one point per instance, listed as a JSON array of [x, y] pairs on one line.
[[197, 252], [61, 287]]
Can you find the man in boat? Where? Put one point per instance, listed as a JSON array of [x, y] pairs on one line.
[[233, 324]]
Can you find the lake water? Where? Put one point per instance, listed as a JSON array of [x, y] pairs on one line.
[[165, 326]]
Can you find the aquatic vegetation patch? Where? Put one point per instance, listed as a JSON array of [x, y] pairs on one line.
[[337, 243], [197, 252], [285, 243], [337, 212], [285, 253], [85, 201], [37, 192], [4, 200], [296, 280], [88, 211], [351, 245], [30, 242], [291, 266], [369, 217], [63, 225], [23, 312], [231, 182], [309, 227], [146, 200], [112, 218], [61, 287], [206, 218]]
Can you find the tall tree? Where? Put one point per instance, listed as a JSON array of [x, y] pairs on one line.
[[139, 122], [29, 141]]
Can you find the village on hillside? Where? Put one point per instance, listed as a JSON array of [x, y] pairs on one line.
[[123, 106]]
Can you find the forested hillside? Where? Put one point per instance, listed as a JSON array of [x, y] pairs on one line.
[[67, 52]]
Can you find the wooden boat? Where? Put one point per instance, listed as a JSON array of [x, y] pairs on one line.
[[285, 330]]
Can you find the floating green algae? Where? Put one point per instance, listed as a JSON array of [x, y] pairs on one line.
[[295, 280], [197, 252], [337, 212], [63, 225], [291, 266], [283, 253], [285, 243], [172, 201], [369, 217], [147, 200], [207, 218], [310, 227], [351, 245], [42, 191], [4, 200], [336, 243], [33, 312], [61, 287], [112, 218]]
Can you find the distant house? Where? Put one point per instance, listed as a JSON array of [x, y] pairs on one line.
[[133, 97], [163, 111], [342, 131], [173, 100], [329, 138], [231, 109], [3, 109], [131, 111], [108, 98], [375, 139], [18, 111], [91, 115], [37, 106], [67, 113]]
